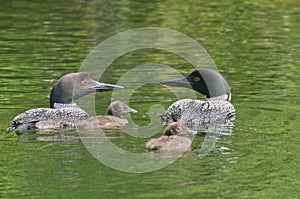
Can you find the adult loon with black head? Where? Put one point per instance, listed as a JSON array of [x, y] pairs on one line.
[[217, 107], [63, 111]]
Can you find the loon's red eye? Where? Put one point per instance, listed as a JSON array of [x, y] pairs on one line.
[[196, 79], [83, 82]]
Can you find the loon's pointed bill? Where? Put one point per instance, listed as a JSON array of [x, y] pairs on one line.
[[106, 87], [180, 82]]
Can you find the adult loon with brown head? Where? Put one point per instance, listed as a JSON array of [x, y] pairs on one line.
[[216, 108], [63, 111]]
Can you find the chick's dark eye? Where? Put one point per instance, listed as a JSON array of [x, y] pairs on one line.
[[120, 107], [83, 82], [196, 79]]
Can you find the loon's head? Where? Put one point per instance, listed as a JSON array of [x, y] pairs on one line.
[[75, 85], [119, 109], [206, 81]]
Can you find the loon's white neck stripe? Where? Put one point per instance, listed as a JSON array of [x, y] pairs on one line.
[[61, 105], [224, 97]]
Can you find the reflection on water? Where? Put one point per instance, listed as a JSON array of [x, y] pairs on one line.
[[255, 45]]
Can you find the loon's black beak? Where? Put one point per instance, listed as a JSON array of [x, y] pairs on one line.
[[105, 87], [180, 82]]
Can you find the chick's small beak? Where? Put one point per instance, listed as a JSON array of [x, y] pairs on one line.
[[131, 110]]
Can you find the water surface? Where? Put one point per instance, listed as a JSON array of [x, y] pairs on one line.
[[255, 46]]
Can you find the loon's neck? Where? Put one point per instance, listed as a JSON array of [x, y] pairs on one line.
[[225, 97], [63, 105]]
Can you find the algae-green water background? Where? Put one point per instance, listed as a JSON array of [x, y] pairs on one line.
[[255, 45]]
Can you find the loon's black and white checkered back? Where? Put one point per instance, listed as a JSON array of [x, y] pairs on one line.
[[208, 116]]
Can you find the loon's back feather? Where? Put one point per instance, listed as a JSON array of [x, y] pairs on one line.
[[47, 118], [205, 111]]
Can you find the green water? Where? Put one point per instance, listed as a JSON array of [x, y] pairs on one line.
[[255, 45]]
